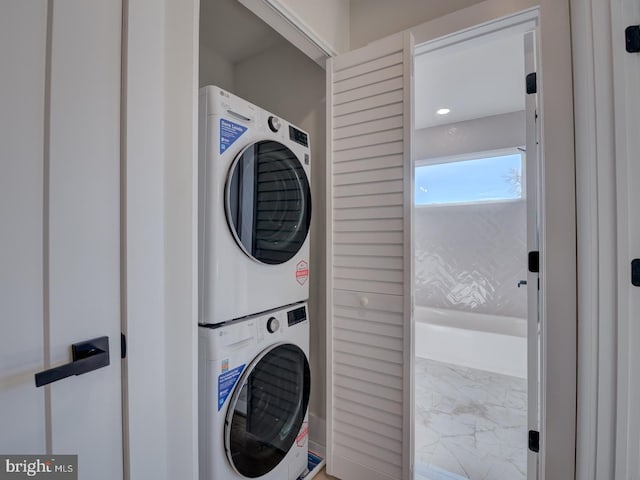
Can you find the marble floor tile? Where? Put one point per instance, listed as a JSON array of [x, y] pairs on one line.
[[470, 424]]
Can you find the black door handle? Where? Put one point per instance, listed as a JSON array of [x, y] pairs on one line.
[[87, 356]]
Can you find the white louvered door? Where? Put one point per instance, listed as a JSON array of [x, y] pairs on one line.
[[369, 298]]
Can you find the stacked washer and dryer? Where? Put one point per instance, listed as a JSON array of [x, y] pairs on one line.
[[253, 253]]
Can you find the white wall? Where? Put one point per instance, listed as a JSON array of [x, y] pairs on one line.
[[374, 19], [328, 19], [484, 134], [295, 90], [215, 69]]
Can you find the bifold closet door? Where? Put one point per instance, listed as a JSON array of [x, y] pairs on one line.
[[369, 297]]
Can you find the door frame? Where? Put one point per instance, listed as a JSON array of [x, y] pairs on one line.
[[161, 376], [160, 176], [593, 61], [558, 220]]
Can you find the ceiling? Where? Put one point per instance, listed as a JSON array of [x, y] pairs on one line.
[[474, 79], [232, 30]]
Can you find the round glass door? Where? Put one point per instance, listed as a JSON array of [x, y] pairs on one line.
[[268, 202], [267, 410]]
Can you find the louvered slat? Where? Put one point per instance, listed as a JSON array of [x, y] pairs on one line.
[[389, 263], [368, 363], [369, 176], [369, 250], [368, 91], [369, 78], [379, 100], [366, 401], [367, 351], [385, 448], [370, 274], [370, 237], [371, 126], [359, 313], [369, 194], [370, 424], [379, 200], [344, 462], [369, 188], [368, 213], [357, 408], [377, 138], [368, 115], [373, 151], [372, 163], [383, 326], [380, 392], [369, 226], [366, 67]]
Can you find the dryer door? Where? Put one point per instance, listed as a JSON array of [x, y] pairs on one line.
[[267, 410], [268, 202]]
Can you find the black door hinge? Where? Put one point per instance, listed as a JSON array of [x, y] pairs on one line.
[[534, 262], [532, 83], [534, 441], [632, 38], [123, 346], [635, 272]]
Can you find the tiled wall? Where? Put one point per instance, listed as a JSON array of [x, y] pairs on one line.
[[471, 257]]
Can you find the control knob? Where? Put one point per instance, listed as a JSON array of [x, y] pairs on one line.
[[273, 324], [274, 123]]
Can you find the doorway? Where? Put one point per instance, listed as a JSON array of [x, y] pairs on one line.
[[475, 220]]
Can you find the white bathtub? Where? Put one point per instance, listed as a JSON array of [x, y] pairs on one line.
[[484, 342]]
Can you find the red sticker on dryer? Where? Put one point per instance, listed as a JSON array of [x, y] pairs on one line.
[[302, 272], [304, 431]]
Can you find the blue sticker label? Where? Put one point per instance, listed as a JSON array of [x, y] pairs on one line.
[[226, 382], [229, 133]]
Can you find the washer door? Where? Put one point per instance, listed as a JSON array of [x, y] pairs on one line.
[[267, 410], [268, 202]]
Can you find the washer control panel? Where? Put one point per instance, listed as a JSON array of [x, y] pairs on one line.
[[273, 325], [297, 315]]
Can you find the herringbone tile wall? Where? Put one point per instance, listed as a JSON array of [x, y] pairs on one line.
[[471, 257]]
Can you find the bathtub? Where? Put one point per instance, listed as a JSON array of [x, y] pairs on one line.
[[484, 342]]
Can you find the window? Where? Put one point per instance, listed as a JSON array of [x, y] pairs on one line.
[[478, 180]]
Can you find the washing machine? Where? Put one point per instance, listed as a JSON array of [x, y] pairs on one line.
[[254, 209], [254, 386]]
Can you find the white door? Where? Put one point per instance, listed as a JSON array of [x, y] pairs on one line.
[[60, 234], [369, 307]]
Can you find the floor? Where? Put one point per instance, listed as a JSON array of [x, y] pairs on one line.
[[323, 476], [470, 424]]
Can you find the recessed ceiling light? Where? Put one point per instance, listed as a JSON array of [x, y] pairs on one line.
[[443, 111]]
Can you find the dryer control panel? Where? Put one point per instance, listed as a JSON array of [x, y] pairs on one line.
[[298, 136], [296, 316]]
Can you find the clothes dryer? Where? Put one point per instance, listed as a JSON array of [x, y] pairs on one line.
[[254, 383], [254, 209]]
